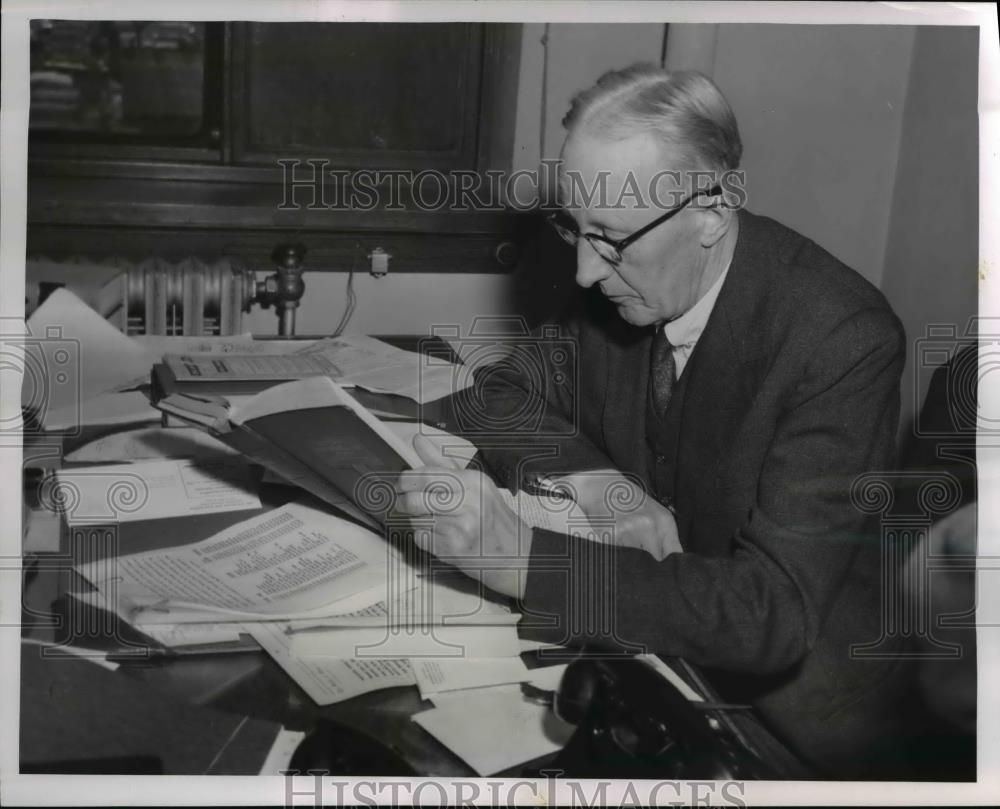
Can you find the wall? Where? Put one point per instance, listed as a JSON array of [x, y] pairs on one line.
[[405, 303], [820, 109], [865, 140], [578, 53], [841, 125], [411, 303], [931, 258]]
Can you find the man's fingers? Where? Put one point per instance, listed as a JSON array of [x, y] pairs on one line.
[[426, 502], [431, 455], [412, 504], [419, 479]]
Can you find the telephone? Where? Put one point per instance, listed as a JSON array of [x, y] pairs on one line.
[[333, 747], [632, 723]]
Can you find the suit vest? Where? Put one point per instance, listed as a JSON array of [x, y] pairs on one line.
[[662, 437]]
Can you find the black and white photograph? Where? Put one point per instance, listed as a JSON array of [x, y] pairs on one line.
[[499, 403]]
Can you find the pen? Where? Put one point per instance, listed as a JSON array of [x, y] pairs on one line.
[[550, 491], [151, 655]]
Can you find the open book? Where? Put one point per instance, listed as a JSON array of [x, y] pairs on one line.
[[314, 434], [317, 436]]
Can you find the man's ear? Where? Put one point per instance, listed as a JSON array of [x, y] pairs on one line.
[[715, 223]]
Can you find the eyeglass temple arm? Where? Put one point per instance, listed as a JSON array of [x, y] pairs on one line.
[[711, 192]]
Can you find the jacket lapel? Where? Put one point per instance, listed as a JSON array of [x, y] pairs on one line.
[[722, 367], [624, 418]]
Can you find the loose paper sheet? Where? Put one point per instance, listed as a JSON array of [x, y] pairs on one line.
[[672, 677], [159, 345], [40, 530], [448, 642], [546, 678], [328, 680], [281, 752], [292, 561], [377, 366], [423, 600], [493, 729], [67, 367], [357, 353], [192, 634], [146, 443], [435, 676], [153, 490]]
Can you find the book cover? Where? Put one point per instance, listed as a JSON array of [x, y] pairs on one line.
[[311, 432]]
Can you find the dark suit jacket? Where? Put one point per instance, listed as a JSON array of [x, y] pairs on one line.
[[791, 392]]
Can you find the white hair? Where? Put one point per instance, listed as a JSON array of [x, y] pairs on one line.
[[684, 109]]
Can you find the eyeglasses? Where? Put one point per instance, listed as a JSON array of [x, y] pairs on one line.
[[610, 249]]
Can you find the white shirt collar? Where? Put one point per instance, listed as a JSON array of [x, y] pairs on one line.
[[685, 330]]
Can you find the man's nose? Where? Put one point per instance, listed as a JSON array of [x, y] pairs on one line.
[[590, 267]]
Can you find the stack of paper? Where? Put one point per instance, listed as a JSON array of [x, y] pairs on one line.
[[298, 577], [291, 562], [74, 360], [510, 727], [80, 370], [424, 633], [369, 363]]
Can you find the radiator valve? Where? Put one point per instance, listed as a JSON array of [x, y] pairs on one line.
[[285, 288]]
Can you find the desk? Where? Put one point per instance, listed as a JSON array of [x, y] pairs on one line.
[[246, 684], [205, 696], [213, 714]]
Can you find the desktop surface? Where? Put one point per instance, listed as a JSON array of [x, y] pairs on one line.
[[211, 713]]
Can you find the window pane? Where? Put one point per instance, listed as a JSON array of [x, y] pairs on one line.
[[124, 78], [362, 86]]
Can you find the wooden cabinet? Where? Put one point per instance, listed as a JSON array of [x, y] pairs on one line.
[[384, 95], [392, 96]]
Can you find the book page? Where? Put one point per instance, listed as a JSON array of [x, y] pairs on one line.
[[453, 448], [292, 561]]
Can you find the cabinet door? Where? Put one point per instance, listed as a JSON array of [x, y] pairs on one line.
[[361, 95]]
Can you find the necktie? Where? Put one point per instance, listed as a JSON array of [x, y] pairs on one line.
[[662, 371]]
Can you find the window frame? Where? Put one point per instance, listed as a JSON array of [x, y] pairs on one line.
[[202, 147]]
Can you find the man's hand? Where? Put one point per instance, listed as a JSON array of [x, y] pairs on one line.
[[639, 521], [473, 528]]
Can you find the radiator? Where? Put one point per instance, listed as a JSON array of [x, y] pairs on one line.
[[186, 299], [155, 296]]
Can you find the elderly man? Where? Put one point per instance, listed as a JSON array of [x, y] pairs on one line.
[[747, 380]]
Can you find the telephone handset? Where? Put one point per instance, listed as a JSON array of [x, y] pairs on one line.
[[632, 723]]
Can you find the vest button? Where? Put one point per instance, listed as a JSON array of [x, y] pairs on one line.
[[661, 459]]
